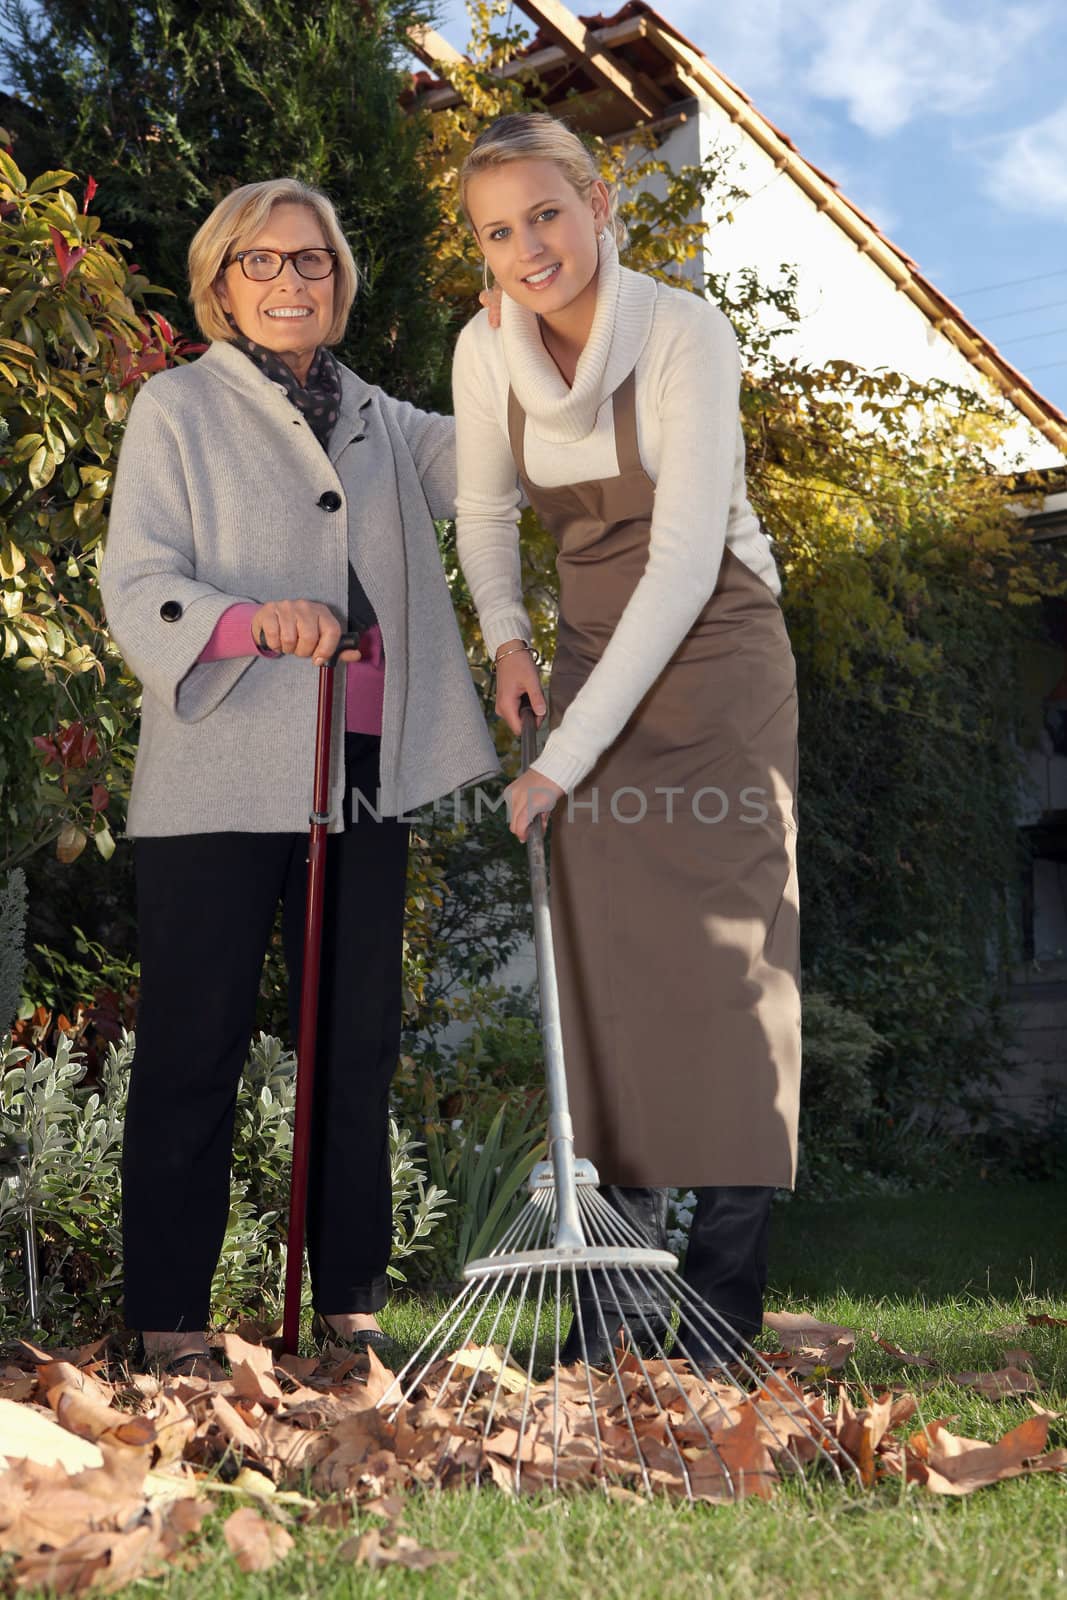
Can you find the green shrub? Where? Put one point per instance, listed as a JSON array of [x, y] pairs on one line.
[[75, 1138], [945, 1036], [485, 1177], [836, 1094], [12, 944]]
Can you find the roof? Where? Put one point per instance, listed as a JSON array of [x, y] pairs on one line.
[[634, 67]]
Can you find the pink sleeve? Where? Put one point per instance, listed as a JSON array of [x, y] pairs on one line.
[[232, 635]]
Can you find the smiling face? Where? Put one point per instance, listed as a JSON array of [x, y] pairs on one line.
[[289, 314], [538, 234]]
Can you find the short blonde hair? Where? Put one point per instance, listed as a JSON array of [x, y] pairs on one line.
[[536, 136], [235, 222]]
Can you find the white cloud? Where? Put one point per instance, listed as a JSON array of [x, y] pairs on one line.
[[886, 60], [1029, 171], [889, 60]]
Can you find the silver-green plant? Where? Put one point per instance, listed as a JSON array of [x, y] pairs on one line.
[[74, 1140], [417, 1209]]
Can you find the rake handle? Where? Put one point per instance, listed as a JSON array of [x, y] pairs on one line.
[[569, 1231]]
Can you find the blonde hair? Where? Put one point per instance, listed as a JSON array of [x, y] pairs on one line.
[[535, 136], [235, 222]]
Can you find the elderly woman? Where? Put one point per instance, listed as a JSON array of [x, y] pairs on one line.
[[266, 498]]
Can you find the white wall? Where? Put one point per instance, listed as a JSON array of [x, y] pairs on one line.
[[851, 310]]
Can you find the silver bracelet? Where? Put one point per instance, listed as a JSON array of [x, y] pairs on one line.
[[502, 655]]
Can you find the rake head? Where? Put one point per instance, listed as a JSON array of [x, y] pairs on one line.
[[694, 1412]]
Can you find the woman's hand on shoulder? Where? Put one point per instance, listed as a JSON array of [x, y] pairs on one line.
[[300, 628], [516, 675], [491, 299]]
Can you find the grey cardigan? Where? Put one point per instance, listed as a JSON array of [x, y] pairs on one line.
[[222, 494]]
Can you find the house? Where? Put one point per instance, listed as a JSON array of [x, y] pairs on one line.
[[862, 299]]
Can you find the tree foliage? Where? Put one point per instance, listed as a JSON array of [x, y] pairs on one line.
[[171, 104], [75, 340]]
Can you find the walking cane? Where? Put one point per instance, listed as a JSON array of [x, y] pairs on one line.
[[309, 999]]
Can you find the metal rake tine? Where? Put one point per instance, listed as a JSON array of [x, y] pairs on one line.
[[679, 1386], [824, 1440], [623, 1231], [555, 1384], [658, 1402], [507, 1351], [585, 1364], [526, 1223], [827, 1445], [455, 1311], [523, 1224], [529, 1381], [621, 1391], [515, 1271], [709, 1388], [486, 1297]]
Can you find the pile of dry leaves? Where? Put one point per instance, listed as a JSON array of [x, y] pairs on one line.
[[105, 1474]]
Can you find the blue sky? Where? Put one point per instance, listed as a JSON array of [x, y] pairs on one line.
[[944, 120]]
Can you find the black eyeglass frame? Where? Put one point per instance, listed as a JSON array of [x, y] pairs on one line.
[[286, 255]]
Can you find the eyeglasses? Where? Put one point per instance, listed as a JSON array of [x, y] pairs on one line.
[[263, 265]]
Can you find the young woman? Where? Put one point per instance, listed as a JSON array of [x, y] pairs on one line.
[[670, 766]]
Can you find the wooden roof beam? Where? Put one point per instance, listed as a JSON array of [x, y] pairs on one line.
[[603, 67], [432, 47]]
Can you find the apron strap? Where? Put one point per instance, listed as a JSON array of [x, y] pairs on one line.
[[624, 411]]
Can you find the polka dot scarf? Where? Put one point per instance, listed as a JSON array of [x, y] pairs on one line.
[[318, 400]]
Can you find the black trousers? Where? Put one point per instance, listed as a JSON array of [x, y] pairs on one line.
[[205, 907], [725, 1261]]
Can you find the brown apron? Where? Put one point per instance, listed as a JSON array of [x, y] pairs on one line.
[[674, 888]]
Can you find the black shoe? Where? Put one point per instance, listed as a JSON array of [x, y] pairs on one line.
[[600, 1340], [709, 1350], [193, 1364], [383, 1344]]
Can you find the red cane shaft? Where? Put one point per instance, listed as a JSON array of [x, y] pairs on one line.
[[309, 1014]]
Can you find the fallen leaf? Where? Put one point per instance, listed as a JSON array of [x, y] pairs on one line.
[[1043, 1320], [255, 1543], [101, 1561], [812, 1344], [486, 1359], [1009, 1380], [232, 1425], [252, 1366], [379, 1378], [902, 1355], [958, 1466], [29, 1434], [1018, 1358], [15, 1384], [369, 1551]]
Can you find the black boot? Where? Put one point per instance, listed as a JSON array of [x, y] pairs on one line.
[[726, 1264], [608, 1298]]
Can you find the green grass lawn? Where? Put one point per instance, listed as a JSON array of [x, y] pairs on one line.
[[937, 1274]]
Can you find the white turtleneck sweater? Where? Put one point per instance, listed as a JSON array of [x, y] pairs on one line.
[[689, 437]]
